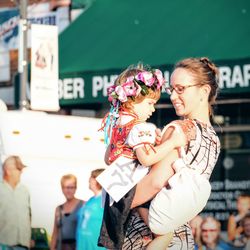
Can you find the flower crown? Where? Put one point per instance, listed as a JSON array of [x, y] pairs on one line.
[[135, 85]]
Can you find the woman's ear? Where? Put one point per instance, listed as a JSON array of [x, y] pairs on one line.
[[206, 90]]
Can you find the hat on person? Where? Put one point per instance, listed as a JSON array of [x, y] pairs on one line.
[[16, 160]]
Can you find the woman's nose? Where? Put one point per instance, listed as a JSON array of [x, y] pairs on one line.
[[173, 96]]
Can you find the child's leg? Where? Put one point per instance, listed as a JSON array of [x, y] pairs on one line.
[[143, 212], [160, 242]]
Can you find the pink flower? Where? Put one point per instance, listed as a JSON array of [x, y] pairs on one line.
[[161, 80], [111, 93], [134, 85], [131, 88], [146, 77], [119, 90], [111, 89], [110, 98]]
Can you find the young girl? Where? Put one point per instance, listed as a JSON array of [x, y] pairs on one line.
[[131, 150]]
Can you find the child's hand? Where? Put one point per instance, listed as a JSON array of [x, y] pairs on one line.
[[178, 138], [158, 136]]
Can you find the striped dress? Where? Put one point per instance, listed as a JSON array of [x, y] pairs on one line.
[[201, 155]]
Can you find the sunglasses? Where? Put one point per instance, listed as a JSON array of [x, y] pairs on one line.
[[179, 89]]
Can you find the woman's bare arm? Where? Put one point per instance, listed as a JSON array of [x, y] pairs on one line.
[[231, 228], [55, 232]]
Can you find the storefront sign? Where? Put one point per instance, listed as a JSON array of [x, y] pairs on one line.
[[234, 78], [91, 87]]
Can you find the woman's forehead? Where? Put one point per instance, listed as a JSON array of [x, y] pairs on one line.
[[68, 181], [180, 76], [209, 224]]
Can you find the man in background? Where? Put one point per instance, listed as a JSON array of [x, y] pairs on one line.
[[15, 213]]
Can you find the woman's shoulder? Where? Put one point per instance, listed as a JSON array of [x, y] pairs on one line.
[[185, 126], [60, 206], [185, 123], [79, 203]]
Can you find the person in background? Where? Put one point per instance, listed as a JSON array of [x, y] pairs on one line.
[[210, 236], [15, 212], [90, 216], [244, 239], [64, 232], [195, 225], [234, 228]]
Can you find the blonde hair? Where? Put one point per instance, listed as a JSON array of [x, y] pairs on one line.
[[68, 177]]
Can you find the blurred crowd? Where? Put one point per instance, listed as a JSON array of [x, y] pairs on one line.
[[77, 223], [208, 235]]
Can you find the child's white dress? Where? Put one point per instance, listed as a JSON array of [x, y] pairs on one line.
[[122, 228]]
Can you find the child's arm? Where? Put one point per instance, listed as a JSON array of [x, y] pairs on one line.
[[55, 231], [158, 176], [171, 140]]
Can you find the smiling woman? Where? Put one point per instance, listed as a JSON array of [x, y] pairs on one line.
[[64, 232], [182, 176]]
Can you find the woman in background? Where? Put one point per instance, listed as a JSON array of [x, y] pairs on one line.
[[64, 232]]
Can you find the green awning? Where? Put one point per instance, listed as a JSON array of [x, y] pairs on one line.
[[80, 4], [112, 34]]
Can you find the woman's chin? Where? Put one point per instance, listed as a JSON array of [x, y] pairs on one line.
[[179, 113]]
